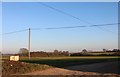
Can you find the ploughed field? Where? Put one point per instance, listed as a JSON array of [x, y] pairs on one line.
[[45, 63]]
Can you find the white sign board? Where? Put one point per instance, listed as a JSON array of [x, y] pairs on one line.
[[14, 58]]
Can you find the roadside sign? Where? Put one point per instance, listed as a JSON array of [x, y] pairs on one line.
[[14, 58]]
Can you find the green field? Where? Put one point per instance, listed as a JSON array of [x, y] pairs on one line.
[[99, 53], [69, 61]]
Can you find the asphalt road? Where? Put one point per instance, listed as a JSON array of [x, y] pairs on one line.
[[106, 67], [109, 68]]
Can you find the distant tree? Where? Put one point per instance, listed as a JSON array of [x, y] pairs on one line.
[[116, 50], [104, 50], [56, 51], [66, 53], [23, 51], [84, 50]]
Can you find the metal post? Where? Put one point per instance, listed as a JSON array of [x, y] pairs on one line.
[[29, 43]]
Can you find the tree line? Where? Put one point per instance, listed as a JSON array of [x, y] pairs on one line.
[[24, 52], [55, 53]]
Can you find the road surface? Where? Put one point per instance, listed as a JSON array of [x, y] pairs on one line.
[[91, 69]]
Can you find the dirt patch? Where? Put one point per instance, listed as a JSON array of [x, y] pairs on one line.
[[16, 67], [60, 71]]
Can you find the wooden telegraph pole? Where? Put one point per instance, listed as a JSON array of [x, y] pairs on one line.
[[29, 43]]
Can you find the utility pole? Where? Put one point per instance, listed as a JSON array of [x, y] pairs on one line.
[[29, 43]]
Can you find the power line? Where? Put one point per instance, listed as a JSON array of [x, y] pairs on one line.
[[57, 27], [14, 32], [105, 28], [67, 27], [105, 24], [70, 15], [65, 13]]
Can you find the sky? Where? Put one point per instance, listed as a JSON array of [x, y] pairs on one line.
[[0, 26], [23, 15]]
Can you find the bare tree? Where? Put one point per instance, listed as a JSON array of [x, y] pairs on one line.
[[84, 50], [23, 51]]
